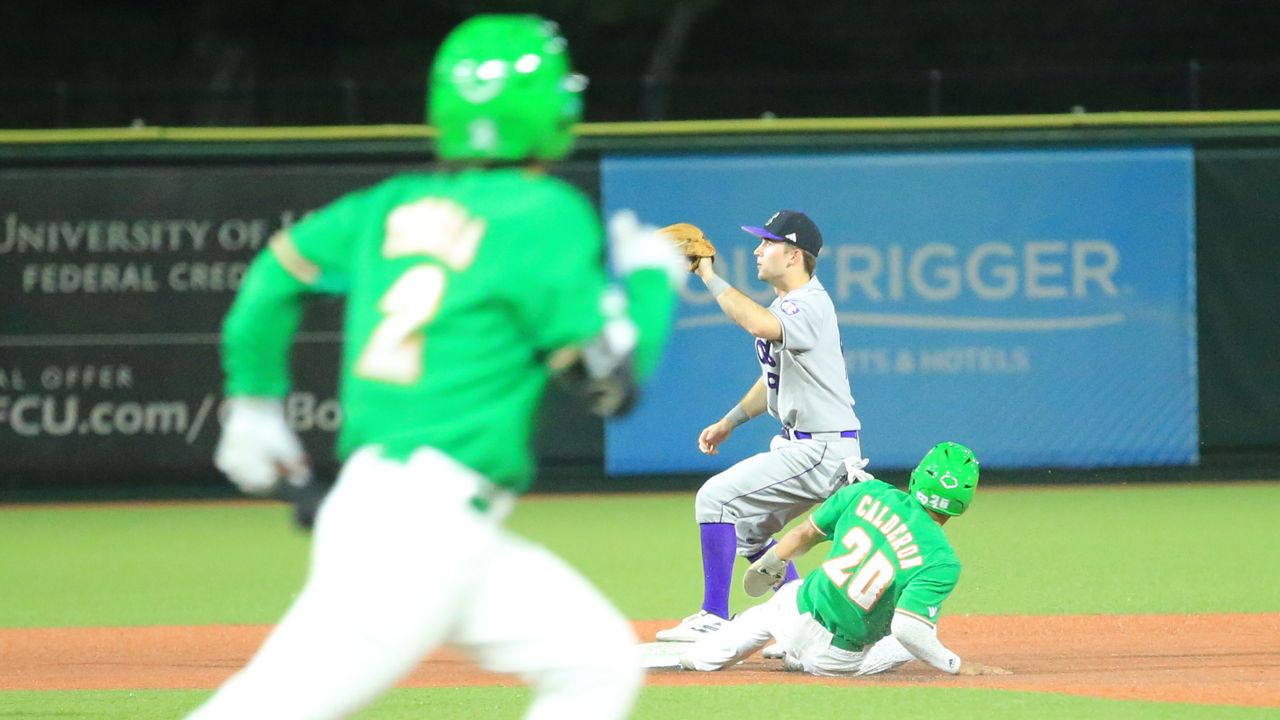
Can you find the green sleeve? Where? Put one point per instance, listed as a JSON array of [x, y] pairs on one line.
[[830, 511], [315, 255], [651, 303], [329, 237], [924, 594], [259, 329]]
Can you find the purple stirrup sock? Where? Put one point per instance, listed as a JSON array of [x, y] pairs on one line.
[[791, 574], [760, 553], [719, 541]]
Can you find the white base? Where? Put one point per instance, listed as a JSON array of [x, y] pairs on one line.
[[661, 654]]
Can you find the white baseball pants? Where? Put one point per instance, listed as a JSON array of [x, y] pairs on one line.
[[807, 644], [401, 563]]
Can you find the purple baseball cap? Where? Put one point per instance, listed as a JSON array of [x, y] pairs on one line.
[[790, 226]]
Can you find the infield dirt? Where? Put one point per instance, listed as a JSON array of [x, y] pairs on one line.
[[1212, 659]]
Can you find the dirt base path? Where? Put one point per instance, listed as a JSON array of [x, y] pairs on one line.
[[1215, 659]]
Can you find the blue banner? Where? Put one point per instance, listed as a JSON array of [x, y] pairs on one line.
[[1036, 305]]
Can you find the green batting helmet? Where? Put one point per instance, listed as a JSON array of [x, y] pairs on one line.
[[945, 479], [502, 89]]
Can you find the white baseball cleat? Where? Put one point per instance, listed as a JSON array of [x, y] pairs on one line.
[[773, 652], [697, 625]]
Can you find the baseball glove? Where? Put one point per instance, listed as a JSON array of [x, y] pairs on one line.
[[690, 241]]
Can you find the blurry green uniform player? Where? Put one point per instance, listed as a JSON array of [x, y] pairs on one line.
[[873, 604], [466, 290], [463, 283]]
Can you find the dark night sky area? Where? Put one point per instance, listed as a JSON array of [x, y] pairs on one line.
[[78, 63]]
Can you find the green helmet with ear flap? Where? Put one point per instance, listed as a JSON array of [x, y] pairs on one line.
[[502, 89], [945, 479]]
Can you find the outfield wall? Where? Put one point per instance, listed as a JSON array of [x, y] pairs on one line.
[[1068, 291]]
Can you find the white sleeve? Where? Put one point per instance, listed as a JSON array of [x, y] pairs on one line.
[[921, 639]]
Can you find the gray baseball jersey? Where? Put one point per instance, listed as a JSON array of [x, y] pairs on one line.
[[808, 387], [808, 391]]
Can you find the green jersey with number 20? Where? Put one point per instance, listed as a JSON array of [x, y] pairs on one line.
[[458, 287], [887, 555]]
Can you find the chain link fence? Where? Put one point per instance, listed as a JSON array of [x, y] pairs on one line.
[[932, 91]]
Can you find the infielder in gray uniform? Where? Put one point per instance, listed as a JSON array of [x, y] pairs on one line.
[[803, 384]]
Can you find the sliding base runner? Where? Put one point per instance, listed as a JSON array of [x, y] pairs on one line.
[[875, 600]]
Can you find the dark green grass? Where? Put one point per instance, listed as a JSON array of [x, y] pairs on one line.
[[1144, 549], [185, 564], [776, 702], [1140, 549]]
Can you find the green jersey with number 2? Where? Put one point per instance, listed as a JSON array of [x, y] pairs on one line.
[[887, 555], [459, 286]]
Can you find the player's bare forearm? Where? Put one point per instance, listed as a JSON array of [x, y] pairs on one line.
[[754, 403], [798, 541], [769, 570], [747, 313]]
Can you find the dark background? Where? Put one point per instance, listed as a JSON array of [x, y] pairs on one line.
[[94, 63], [75, 63]]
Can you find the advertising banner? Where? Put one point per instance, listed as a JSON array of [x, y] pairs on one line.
[[113, 286], [114, 283], [1037, 305]]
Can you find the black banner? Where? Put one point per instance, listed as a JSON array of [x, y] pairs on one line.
[[114, 283], [1238, 258]]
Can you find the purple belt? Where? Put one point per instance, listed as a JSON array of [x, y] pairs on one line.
[[802, 435]]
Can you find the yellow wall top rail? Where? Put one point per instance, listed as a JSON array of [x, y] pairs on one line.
[[663, 128]]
